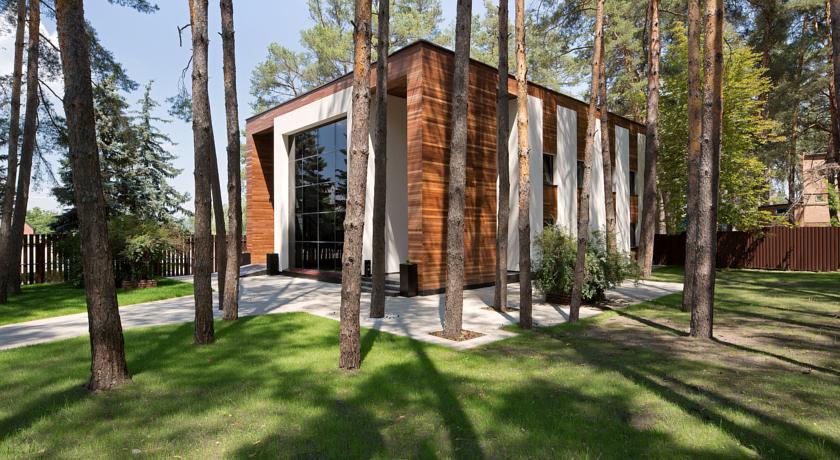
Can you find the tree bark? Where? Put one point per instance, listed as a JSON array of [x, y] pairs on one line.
[[30, 128], [502, 162], [457, 176], [108, 366], [703, 270], [524, 152], [377, 297], [649, 201], [351, 263], [204, 156], [793, 150], [832, 155], [606, 155], [583, 206], [7, 263], [834, 13], [695, 112], [229, 297], [219, 242]]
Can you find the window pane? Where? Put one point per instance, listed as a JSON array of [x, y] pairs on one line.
[[310, 198], [327, 165], [326, 226], [548, 169], [306, 144], [326, 138]]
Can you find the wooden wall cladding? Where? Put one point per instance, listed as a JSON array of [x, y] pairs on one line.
[[430, 96], [550, 203], [259, 195]]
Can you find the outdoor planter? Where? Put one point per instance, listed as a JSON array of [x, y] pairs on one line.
[[560, 298], [408, 279], [565, 298], [141, 284], [272, 264]]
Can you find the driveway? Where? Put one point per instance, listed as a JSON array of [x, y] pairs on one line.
[[411, 317]]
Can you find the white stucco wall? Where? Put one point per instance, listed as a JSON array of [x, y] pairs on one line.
[[640, 181], [621, 185], [566, 169], [396, 202], [535, 142], [597, 210], [322, 111]]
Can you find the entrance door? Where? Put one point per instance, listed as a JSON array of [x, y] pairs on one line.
[[320, 196]]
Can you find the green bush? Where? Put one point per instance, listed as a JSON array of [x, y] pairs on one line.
[[137, 247], [555, 267]]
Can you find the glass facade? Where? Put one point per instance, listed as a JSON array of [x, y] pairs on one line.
[[320, 196]]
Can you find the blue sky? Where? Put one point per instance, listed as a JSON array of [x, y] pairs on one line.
[[147, 45]]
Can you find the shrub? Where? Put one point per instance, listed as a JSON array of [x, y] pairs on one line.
[[555, 269]]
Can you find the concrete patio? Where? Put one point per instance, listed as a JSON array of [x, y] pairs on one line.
[[411, 317]]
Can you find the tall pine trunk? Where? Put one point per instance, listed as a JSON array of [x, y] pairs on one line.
[[583, 206], [220, 240], [27, 151], [703, 270], [229, 297], [834, 13], [606, 154], [7, 263], [377, 297], [204, 154], [108, 367], [649, 195], [354, 222], [695, 113], [502, 162], [833, 154], [524, 152], [453, 314]]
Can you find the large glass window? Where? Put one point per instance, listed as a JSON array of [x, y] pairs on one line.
[[320, 196]]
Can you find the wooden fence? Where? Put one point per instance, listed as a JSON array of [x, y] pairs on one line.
[[814, 249], [43, 260]]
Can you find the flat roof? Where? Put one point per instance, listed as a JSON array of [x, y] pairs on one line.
[[418, 43]]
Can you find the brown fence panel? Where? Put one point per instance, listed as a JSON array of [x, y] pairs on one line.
[[42, 260], [777, 248]]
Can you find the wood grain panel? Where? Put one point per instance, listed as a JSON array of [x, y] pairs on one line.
[[259, 195]]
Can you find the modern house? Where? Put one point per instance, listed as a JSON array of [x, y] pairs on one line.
[[297, 170], [812, 209]]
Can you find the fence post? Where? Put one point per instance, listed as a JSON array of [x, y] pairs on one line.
[[40, 259]]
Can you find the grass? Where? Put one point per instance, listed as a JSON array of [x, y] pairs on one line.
[[625, 384], [38, 301]]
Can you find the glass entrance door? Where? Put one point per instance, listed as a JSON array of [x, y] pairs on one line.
[[320, 196]]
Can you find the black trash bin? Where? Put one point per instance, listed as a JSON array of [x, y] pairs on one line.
[[272, 264]]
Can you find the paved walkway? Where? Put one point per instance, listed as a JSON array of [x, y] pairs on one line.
[[415, 317]]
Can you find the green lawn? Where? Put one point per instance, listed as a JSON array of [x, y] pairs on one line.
[[625, 384], [39, 301]]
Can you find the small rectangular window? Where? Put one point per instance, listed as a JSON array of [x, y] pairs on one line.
[[548, 169], [633, 190], [579, 174]]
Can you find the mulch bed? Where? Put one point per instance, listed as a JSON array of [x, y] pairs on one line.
[[465, 335]]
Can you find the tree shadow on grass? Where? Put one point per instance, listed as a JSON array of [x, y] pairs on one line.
[[774, 438]]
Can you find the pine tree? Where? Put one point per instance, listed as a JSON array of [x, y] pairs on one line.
[[377, 297], [583, 206], [12, 156], [108, 365], [502, 161], [354, 221], [524, 153], [453, 310], [230, 301]]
